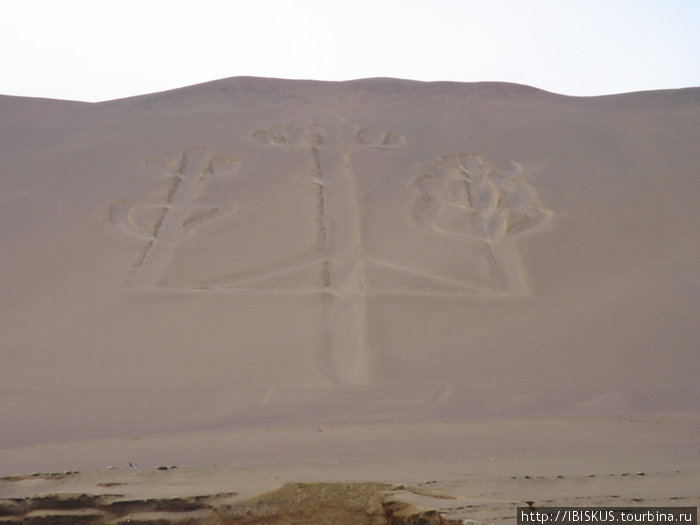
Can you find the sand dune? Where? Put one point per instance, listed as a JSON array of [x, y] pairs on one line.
[[259, 257]]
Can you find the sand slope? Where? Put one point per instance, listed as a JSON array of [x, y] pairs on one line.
[[257, 253]]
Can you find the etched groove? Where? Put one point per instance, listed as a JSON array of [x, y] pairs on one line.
[[196, 215], [494, 204], [325, 274], [142, 256], [345, 309], [375, 138], [298, 135], [459, 285], [317, 180], [180, 211], [172, 190]]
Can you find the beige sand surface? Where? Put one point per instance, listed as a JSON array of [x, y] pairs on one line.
[[271, 271], [479, 490]]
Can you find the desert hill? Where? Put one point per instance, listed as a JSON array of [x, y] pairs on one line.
[[258, 254]]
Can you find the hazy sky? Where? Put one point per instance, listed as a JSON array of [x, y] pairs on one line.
[[102, 49]]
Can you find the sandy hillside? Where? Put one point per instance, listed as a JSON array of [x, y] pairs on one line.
[[256, 270]]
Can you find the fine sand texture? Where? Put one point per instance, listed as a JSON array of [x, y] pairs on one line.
[[273, 271]]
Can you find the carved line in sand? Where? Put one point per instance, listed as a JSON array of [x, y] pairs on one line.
[[297, 135], [462, 197], [181, 210], [342, 350], [345, 306], [470, 199], [326, 154], [280, 274]]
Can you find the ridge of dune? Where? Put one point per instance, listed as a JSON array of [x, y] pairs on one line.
[[245, 84]]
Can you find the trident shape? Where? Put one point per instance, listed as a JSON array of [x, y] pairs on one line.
[[461, 197], [343, 345]]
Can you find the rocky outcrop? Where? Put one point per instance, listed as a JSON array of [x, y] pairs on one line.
[[292, 504]]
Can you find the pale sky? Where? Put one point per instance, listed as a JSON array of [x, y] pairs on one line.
[[95, 50]]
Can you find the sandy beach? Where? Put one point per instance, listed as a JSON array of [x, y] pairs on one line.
[[446, 296]]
